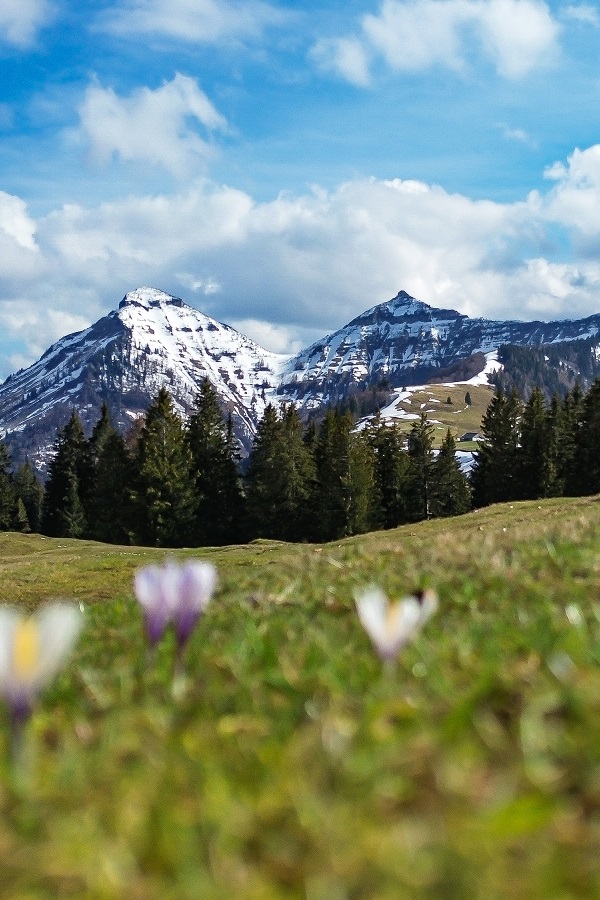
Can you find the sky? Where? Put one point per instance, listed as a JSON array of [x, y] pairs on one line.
[[284, 166]]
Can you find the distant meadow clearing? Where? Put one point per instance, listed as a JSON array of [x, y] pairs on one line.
[[283, 757]]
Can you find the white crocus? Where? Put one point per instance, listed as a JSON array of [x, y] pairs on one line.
[[175, 594], [32, 651], [392, 625]]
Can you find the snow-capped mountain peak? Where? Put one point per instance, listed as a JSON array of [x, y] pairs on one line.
[[152, 340]]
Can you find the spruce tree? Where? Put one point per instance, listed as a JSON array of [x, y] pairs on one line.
[[298, 478], [111, 508], [332, 457], [420, 454], [164, 492], [449, 494], [264, 487], [533, 454], [8, 496], [68, 484], [494, 474], [30, 491], [281, 478], [364, 509], [391, 472], [214, 470], [572, 447], [587, 481]]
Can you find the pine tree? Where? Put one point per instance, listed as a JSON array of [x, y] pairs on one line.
[[298, 478], [281, 478], [449, 493], [263, 483], [571, 456], [30, 491], [391, 472], [332, 457], [364, 510], [587, 481], [420, 453], [215, 472], [533, 454], [494, 473], [111, 518], [164, 492], [68, 484], [8, 496], [21, 520]]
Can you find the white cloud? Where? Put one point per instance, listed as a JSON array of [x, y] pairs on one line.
[[37, 326], [198, 21], [515, 134], [574, 201], [584, 13], [15, 222], [156, 127], [276, 338], [516, 35], [294, 268], [519, 35], [344, 55], [20, 20]]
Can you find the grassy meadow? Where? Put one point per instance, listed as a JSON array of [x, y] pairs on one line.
[[456, 416], [292, 763]]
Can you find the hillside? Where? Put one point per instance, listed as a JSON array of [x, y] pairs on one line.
[[292, 763]]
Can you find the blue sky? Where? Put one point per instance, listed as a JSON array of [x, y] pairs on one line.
[[285, 166]]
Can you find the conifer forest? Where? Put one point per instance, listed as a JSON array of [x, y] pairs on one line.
[[171, 483]]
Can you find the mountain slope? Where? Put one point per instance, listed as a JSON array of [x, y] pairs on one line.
[[407, 342], [123, 359]]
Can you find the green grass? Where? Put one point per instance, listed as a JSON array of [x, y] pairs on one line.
[[292, 764]]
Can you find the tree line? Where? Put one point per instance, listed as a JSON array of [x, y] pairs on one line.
[[173, 483], [537, 449]]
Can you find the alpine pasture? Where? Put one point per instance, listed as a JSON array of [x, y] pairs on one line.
[[288, 761]]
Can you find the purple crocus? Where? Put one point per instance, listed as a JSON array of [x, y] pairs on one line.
[[174, 593]]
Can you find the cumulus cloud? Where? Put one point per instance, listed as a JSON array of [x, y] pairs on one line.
[[516, 35], [294, 268], [198, 21], [574, 200], [152, 126], [20, 20]]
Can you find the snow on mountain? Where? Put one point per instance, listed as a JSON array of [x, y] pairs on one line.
[[151, 340], [407, 342], [154, 340]]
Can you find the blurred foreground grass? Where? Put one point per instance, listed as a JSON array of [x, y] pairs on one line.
[[293, 764]]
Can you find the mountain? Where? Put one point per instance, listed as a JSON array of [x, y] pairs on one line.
[[154, 339], [406, 342]]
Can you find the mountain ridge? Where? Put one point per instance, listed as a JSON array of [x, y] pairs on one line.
[[154, 339]]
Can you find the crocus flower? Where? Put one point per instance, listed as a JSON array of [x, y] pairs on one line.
[[392, 625], [176, 594], [32, 650]]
